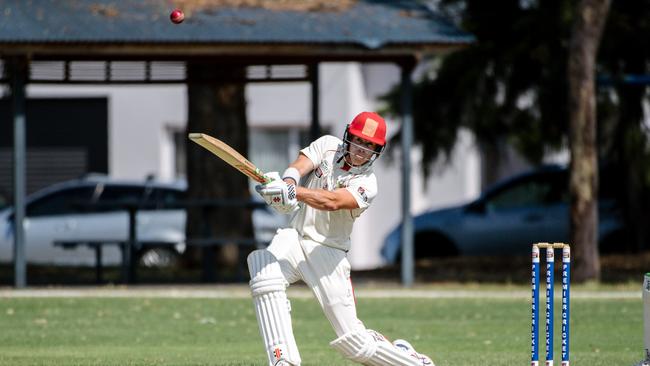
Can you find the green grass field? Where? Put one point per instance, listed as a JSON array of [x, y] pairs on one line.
[[465, 330]]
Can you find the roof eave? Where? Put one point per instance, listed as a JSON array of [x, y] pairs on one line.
[[185, 50]]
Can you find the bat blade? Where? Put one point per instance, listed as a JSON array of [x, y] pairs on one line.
[[229, 155]]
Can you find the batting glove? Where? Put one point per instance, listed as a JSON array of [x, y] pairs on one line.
[[281, 196]]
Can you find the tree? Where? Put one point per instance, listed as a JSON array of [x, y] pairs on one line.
[[583, 182], [621, 99], [503, 88], [217, 106], [512, 86]]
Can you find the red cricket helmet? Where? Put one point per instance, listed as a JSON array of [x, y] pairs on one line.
[[369, 126]]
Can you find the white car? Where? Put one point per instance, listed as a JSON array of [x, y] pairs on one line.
[[65, 212]]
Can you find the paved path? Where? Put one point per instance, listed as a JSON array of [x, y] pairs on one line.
[[241, 291]]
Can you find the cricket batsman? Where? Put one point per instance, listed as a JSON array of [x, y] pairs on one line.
[[338, 185]]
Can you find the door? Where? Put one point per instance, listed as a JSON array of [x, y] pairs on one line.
[[56, 216], [109, 220]]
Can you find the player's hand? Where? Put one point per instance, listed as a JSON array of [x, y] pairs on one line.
[[260, 188], [279, 194]]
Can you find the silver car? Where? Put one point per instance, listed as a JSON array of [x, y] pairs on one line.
[[80, 210]]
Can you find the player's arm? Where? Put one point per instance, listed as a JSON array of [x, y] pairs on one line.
[[303, 166], [321, 199]]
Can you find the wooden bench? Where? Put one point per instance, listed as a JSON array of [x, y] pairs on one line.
[[129, 260], [208, 257]]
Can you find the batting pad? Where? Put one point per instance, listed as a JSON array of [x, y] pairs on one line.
[[372, 349], [272, 308]]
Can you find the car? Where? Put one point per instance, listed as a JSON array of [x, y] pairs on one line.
[[505, 220], [80, 209]]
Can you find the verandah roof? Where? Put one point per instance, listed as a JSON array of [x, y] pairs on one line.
[[130, 27]]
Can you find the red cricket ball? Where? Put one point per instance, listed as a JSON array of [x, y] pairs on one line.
[[177, 16]]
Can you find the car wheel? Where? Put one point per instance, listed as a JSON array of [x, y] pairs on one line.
[[158, 257]]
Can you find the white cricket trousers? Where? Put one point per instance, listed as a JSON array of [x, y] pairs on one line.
[[325, 270], [288, 259]]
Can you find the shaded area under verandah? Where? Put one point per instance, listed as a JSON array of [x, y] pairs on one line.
[[399, 32]]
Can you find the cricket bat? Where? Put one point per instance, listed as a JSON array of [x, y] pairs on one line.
[[229, 155]]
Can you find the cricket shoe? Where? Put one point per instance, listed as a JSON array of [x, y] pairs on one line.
[[406, 347], [645, 362]]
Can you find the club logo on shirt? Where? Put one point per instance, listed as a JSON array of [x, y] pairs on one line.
[[362, 193], [343, 181], [323, 169]]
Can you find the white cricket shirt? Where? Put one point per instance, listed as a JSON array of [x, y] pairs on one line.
[[332, 228]]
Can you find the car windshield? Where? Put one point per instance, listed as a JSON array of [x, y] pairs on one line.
[[546, 189]]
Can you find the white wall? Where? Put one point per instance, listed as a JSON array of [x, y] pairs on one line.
[[289, 104], [140, 117]]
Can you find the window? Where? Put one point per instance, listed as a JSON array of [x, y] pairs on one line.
[[534, 191], [270, 149], [113, 197], [273, 149], [121, 193], [166, 197], [66, 201]]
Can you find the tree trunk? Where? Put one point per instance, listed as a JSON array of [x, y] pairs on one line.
[[217, 106], [585, 38]]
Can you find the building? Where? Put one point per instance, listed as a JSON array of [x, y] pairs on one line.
[[83, 40], [146, 132]]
